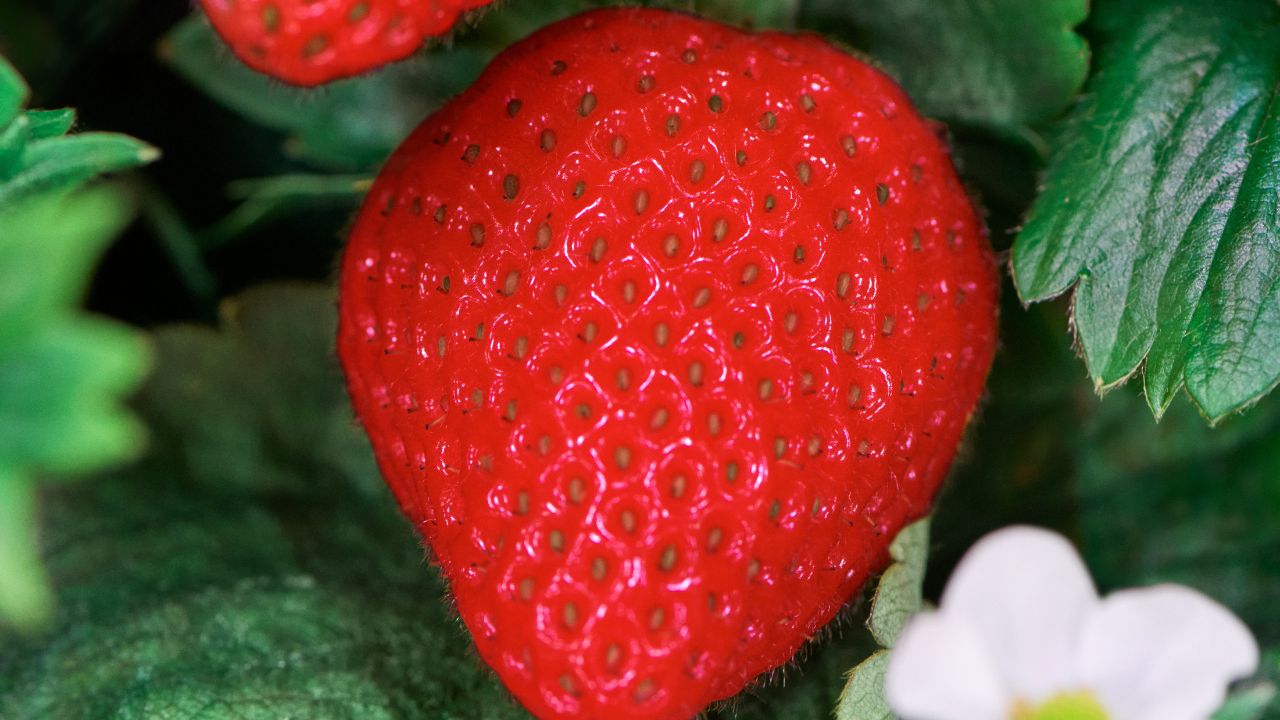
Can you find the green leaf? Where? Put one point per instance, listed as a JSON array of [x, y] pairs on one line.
[[61, 373], [756, 14], [899, 595], [60, 163], [24, 590], [1248, 703], [51, 123], [13, 140], [268, 199], [13, 92], [863, 696], [1002, 63], [1162, 204]]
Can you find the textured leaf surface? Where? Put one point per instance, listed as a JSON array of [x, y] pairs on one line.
[[863, 697], [899, 595], [1002, 63], [61, 373], [1162, 204]]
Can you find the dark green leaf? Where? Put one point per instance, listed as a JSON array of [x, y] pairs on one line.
[[754, 14], [1203, 507], [13, 92], [1003, 63], [1162, 204], [269, 199]]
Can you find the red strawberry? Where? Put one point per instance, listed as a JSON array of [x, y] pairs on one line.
[[310, 42], [660, 332]]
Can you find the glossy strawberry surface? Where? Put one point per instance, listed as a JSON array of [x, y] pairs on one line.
[[310, 42], [660, 332]]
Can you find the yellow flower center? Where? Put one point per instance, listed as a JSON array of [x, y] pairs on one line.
[[1079, 705]]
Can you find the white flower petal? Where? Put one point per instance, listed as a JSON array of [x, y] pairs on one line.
[[1164, 653], [939, 670], [1026, 593]]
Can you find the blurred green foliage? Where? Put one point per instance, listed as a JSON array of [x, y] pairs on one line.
[[61, 372]]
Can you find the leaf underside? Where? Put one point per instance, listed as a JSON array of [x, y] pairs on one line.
[[1162, 204]]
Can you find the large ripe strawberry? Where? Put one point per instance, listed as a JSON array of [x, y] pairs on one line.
[[310, 42], [660, 332]]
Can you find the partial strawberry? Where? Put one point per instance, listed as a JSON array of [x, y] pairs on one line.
[[311, 42], [660, 332]]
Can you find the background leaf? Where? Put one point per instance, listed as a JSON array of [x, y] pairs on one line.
[[999, 63], [61, 373], [1161, 203], [1248, 703]]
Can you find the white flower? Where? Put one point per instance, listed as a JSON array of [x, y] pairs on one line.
[[1021, 634]]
